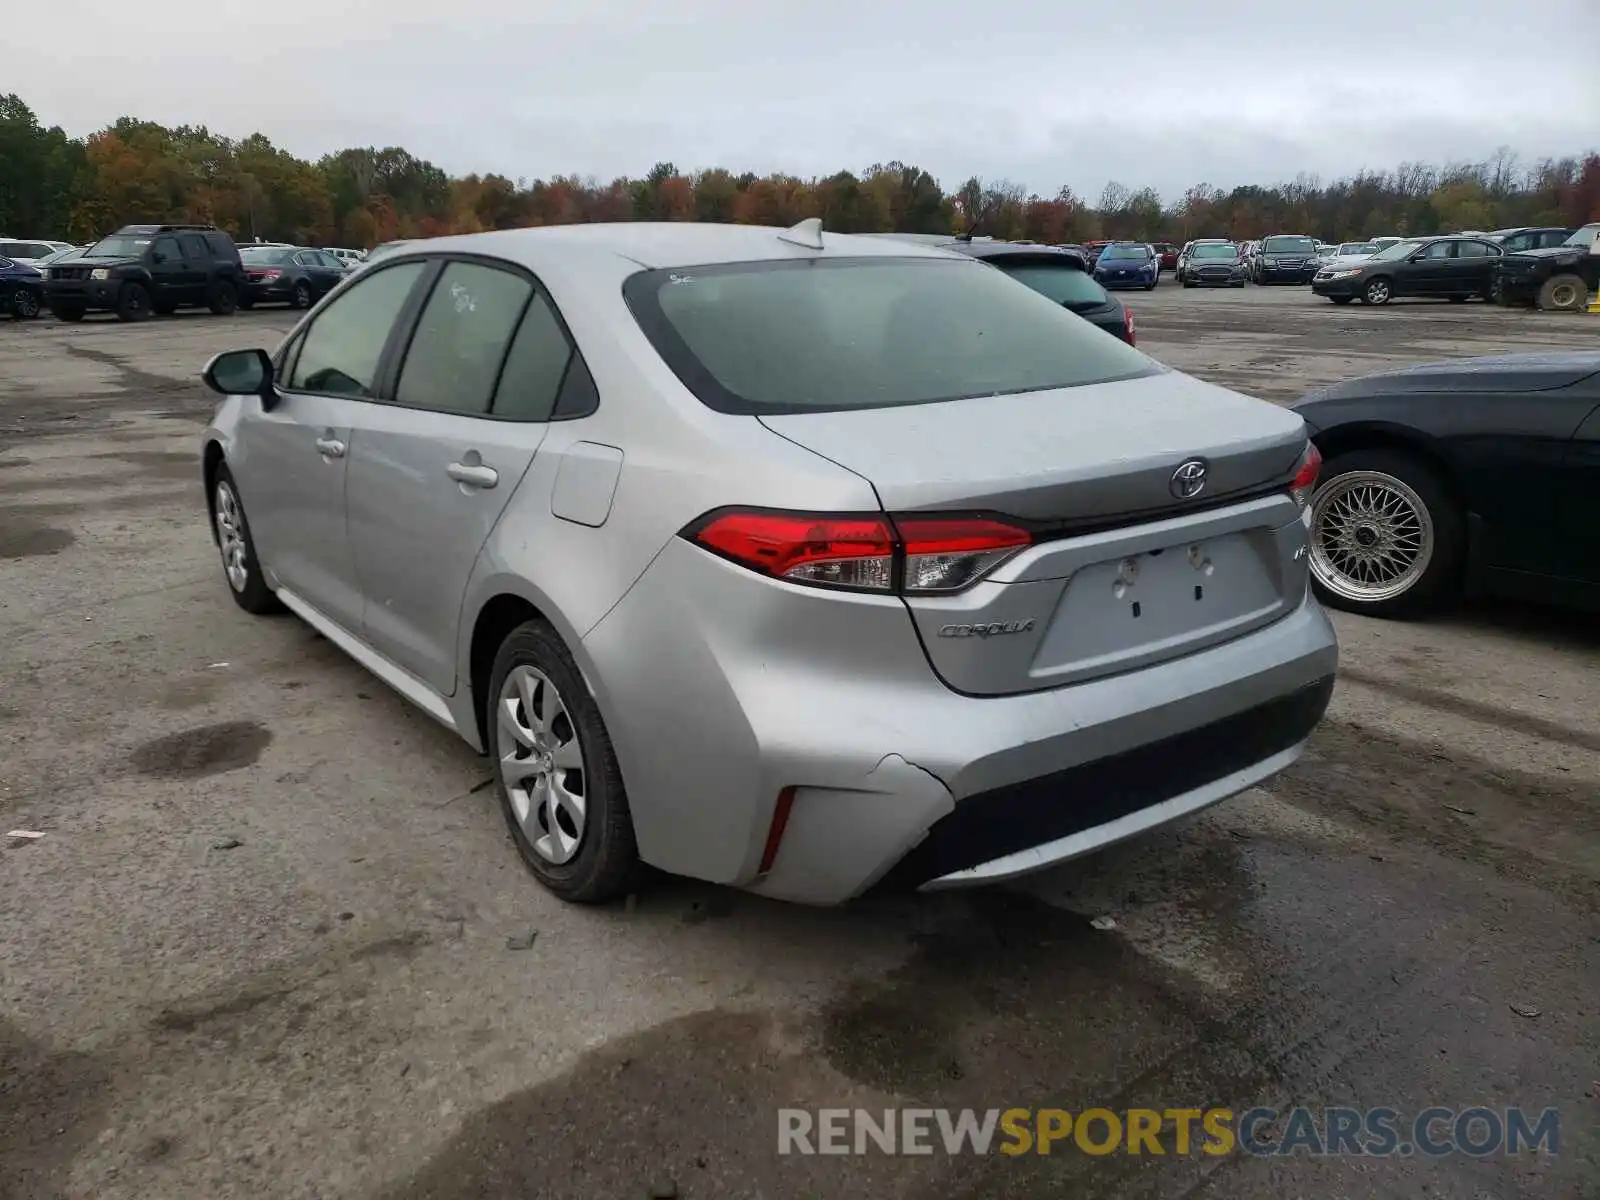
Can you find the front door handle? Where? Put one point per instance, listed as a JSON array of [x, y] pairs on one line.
[[474, 475], [331, 447]]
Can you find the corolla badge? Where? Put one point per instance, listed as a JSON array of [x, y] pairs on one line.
[[986, 629], [1189, 480]]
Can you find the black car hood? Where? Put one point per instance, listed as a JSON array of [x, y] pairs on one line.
[[1498, 373], [131, 261]]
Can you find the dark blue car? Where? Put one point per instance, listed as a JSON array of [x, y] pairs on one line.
[[21, 290], [1128, 264]]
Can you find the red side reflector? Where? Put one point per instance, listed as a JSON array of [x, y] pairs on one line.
[[780, 822]]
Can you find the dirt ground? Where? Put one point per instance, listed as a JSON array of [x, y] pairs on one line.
[[276, 942]]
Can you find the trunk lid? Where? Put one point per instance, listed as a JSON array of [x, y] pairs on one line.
[[1124, 574]]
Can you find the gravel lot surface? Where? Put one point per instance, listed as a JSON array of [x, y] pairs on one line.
[[275, 942]]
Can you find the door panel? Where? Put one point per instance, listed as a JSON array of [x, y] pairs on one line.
[[1580, 500], [291, 472], [419, 515], [1430, 275], [170, 281]]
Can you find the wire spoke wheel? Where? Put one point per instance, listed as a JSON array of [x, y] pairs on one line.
[[1372, 536]]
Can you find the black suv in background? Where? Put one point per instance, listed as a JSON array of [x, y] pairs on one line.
[[1284, 256], [144, 269], [1514, 241]]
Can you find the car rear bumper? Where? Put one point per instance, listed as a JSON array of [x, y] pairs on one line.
[[724, 689], [268, 293]]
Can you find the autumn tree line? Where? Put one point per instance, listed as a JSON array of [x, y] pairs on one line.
[[56, 186]]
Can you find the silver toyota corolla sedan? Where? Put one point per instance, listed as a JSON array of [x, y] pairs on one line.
[[805, 563]]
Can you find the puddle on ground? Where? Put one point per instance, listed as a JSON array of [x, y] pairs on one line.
[[25, 540], [52, 1106], [206, 750]]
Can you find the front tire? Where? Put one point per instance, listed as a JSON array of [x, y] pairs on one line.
[[133, 303], [240, 565], [1377, 291], [556, 774], [1387, 538], [301, 297]]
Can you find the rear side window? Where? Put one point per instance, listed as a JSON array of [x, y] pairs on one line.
[[822, 335], [194, 247], [340, 351], [461, 340], [535, 367], [1063, 284]]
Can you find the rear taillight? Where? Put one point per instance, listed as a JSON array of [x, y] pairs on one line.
[[945, 554], [918, 553], [1133, 332], [1305, 475]]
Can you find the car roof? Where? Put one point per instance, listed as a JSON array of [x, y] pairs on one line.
[[1034, 250], [656, 245]]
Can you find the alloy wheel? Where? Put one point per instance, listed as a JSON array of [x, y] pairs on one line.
[[1372, 536], [541, 761], [1377, 292], [230, 538], [25, 304]]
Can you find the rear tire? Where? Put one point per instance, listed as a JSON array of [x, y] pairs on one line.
[[1371, 510], [133, 303], [1564, 293], [604, 862], [224, 298], [301, 297], [25, 304]]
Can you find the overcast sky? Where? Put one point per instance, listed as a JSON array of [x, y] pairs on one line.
[[1160, 92]]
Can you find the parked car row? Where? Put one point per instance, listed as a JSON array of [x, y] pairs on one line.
[[156, 269]]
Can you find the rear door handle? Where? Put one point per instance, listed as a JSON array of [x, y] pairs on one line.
[[331, 447], [474, 475]]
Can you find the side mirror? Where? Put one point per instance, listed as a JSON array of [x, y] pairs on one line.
[[241, 373]]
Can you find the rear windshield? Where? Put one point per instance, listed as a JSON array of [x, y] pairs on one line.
[[822, 335], [1214, 251], [1059, 282], [264, 255], [1131, 253], [1290, 245]]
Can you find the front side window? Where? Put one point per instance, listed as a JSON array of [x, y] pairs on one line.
[[194, 247], [1063, 284], [1439, 250], [340, 352], [460, 341], [825, 335]]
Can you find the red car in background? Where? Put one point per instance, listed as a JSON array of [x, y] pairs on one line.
[[1169, 255]]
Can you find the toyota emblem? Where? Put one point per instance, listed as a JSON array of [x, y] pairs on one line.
[[1189, 480]]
